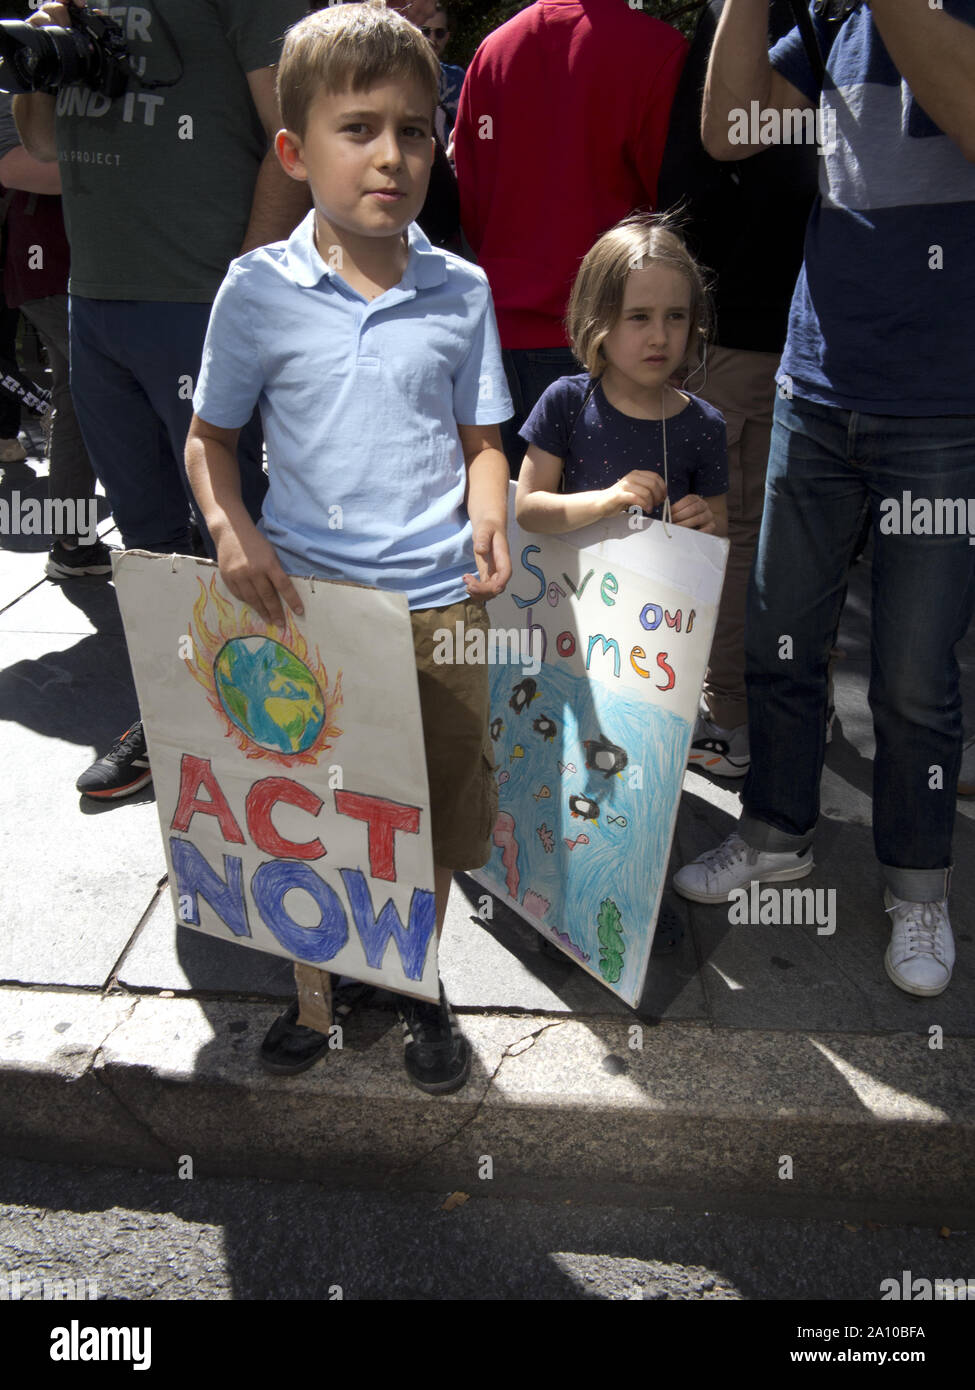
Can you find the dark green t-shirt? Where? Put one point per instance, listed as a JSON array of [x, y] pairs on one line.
[[158, 183]]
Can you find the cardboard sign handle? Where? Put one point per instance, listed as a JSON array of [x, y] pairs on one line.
[[314, 997]]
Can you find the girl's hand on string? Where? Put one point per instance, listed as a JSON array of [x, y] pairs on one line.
[[638, 488], [694, 512]]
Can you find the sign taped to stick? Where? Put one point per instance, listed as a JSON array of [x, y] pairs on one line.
[[591, 735], [289, 768]]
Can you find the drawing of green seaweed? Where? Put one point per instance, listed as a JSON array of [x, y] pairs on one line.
[[611, 945]]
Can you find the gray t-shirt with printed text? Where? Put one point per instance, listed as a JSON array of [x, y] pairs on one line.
[[158, 183]]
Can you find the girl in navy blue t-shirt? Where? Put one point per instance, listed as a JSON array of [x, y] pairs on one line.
[[611, 436]]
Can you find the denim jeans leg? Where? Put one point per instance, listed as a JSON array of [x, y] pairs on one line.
[[177, 332], [815, 501], [923, 598], [127, 441]]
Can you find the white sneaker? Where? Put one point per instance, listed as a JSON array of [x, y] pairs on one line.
[[712, 876], [724, 751], [921, 954]]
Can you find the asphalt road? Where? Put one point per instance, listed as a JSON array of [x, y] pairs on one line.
[[141, 1236]]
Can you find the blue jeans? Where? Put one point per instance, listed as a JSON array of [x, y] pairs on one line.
[[530, 372], [827, 469], [134, 365]]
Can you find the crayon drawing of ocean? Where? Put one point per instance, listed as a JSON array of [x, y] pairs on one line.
[[584, 834]]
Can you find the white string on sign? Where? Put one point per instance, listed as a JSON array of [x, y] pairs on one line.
[[665, 512]]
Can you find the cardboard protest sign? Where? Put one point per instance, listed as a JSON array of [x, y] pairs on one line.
[[608, 633], [289, 769]]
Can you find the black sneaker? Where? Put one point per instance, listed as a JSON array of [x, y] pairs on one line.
[[289, 1047], [84, 559], [123, 770], [437, 1055]]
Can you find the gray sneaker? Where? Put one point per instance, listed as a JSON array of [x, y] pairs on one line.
[[713, 876], [724, 751]]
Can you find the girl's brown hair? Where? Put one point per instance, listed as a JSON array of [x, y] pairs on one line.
[[596, 302]]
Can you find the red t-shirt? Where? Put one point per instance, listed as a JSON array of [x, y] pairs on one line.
[[560, 133]]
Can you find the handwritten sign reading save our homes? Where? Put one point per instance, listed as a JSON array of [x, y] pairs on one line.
[[289, 769], [591, 732]]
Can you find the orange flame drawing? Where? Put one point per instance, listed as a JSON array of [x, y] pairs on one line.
[[232, 622]]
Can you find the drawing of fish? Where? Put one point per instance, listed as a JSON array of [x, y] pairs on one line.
[[546, 727], [523, 694], [566, 767], [605, 757], [516, 752], [580, 840], [542, 793], [585, 807]]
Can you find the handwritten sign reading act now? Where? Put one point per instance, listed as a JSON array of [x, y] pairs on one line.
[[289, 769]]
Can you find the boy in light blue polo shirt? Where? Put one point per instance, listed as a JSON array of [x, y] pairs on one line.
[[376, 364]]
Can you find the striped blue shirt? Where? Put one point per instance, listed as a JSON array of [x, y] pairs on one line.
[[882, 314]]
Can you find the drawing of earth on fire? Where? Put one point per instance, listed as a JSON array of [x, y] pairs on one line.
[[272, 692], [269, 694]]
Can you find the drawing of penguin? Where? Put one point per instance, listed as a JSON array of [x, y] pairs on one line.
[[497, 726], [546, 727], [584, 807], [605, 757], [523, 694]]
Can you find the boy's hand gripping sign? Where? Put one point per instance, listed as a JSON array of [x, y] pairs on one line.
[[289, 769]]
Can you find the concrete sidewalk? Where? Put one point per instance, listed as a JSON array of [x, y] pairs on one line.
[[124, 1038]]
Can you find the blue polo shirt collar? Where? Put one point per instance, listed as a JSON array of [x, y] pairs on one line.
[[425, 267]]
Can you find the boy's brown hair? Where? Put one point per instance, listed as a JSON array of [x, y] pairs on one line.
[[596, 302], [350, 48]]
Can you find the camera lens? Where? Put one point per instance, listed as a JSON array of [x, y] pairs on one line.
[[41, 60], [29, 57]]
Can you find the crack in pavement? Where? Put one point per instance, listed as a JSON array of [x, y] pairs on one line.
[[89, 1069], [100, 1079], [512, 1049], [112, 980]]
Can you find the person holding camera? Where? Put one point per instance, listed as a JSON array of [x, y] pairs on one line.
[[874, 416], [162, 116]]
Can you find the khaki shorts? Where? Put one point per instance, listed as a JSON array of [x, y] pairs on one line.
[[455, 708]]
